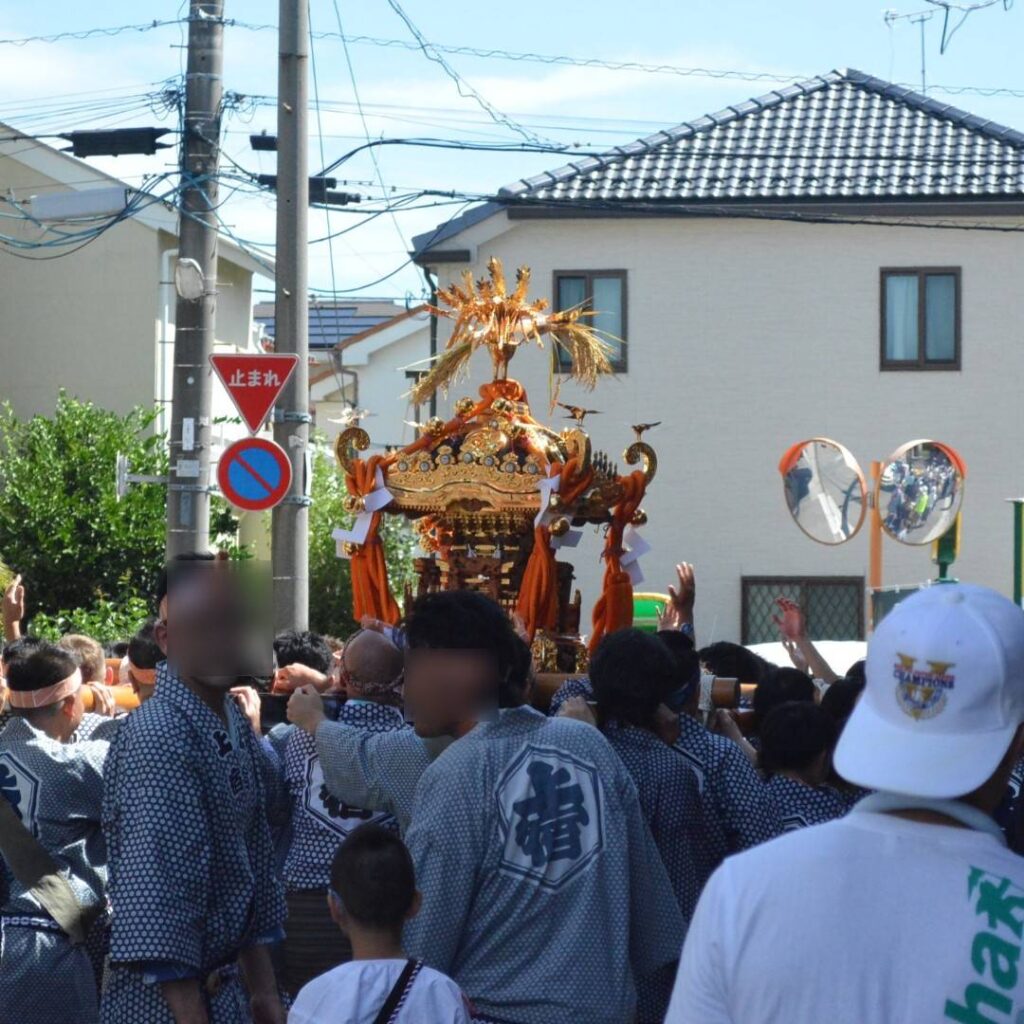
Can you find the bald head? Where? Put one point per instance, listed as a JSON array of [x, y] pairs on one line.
[[372, 665]]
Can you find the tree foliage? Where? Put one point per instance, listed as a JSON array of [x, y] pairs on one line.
[[330, 582], [61, 525], [90, 562], [106, 621]]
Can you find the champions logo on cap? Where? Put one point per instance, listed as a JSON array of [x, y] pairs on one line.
[[921, 693]]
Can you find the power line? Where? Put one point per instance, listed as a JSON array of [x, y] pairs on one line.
[[727, 74], [406, 262], [320, 139], [465, 89], [362, 118], [493, 53], [966, 10], [88, 33], [480, 147], [827, 147]]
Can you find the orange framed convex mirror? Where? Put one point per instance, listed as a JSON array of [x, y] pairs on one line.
[[920, 491], [824, 489]]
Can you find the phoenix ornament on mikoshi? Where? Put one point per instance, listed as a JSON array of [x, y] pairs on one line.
[[486, 313]]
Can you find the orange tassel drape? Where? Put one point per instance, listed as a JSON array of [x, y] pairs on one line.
[[371, 591], [538, 592], [614, 608]]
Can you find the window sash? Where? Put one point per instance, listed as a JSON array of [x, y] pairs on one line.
[[920, 318], [604, 291], [902, 327], [940, 301]]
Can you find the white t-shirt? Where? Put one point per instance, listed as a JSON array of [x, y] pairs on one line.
[[354, 993], [870, 919]]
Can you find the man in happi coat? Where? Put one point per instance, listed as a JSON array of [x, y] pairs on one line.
[[55, 788], [196, 902], [374, 769], [544, 896], [371, 675]]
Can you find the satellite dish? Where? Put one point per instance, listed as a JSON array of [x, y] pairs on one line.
[[920, 491], [824, 489]]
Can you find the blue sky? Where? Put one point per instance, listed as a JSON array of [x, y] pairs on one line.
[[42, 86]]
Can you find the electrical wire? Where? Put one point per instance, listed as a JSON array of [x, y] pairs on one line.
[[727, 74], [362, 118], [320, 137], [11, 245], [88, 33], [481, 147], [464, 88], [966, 11], [436, 49]]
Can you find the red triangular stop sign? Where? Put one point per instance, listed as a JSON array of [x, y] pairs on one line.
[[254, 382]]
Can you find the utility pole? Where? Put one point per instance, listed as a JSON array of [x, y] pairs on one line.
[[188, 497], [290, 522]]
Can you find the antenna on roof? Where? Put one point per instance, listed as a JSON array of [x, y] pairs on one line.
[[915, 18], [965, 10]]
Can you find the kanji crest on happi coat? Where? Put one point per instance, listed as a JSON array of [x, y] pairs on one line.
[[493, 492]]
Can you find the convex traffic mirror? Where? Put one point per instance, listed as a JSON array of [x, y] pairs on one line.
[[918, 494]]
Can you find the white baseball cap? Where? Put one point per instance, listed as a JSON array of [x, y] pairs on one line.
[[944, 694]]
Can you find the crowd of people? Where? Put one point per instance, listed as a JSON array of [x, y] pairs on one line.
[[431, 839]]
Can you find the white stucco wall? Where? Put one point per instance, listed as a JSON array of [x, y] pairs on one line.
[[98, 322], [747, 336], [83, 322]]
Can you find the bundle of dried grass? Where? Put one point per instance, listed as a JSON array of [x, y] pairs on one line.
[[486, 314]]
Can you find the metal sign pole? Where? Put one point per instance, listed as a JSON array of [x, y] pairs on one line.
[[1018, 550]]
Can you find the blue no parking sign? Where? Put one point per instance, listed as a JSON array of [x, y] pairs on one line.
[[254, 474]]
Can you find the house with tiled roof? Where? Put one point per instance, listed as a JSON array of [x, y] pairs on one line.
[[836, 258]]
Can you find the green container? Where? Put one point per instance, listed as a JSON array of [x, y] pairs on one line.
[[646, 608]]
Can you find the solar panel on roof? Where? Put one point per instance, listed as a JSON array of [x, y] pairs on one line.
[[329, 325]]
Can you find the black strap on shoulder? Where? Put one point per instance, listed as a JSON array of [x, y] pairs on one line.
[[398, 993]]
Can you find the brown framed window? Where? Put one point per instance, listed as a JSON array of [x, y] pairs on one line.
[[603, 291], [833, 606], [920, 318]]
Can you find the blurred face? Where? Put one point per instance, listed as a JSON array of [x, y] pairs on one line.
[[445, 689], [214, 630]]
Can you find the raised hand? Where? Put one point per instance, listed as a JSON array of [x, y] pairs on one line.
[[792, 623], [681, 599], [13, 608], [306, 709], [103, 702]]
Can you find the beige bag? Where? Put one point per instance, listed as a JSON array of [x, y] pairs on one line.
[[39, 873]]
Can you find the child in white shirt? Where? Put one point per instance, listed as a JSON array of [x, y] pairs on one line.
[[373, 893]]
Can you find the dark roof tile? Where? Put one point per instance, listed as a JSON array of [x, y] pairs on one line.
[[845, 135]]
